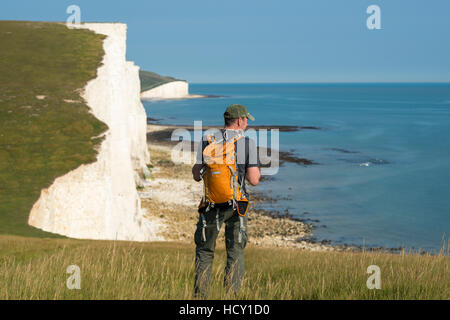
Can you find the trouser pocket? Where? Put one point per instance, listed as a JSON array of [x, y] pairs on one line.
[[208, 227], [198, 234], [236, 232]]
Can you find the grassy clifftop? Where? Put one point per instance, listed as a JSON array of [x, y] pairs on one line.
[[46, 129], [151, 80], [127, 270]]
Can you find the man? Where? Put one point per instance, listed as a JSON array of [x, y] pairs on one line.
[[236, 119]]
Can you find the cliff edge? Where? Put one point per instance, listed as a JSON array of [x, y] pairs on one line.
[[100, 200], [171, 90]]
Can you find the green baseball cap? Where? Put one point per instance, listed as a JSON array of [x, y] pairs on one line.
[[236, 111]]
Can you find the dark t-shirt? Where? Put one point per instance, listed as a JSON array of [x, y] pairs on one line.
[[247, 156]]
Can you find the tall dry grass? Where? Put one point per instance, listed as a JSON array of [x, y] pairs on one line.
[[32, 268]]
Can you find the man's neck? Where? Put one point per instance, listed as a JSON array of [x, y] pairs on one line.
[[231, 128]]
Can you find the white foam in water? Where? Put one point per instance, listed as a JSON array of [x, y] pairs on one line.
[[366, 164]]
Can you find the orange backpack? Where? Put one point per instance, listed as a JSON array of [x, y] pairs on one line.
[[221, 184]]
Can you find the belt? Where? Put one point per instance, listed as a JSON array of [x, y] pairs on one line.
[[222, 205]]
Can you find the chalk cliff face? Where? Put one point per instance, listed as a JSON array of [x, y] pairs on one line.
[[99, 200], [171, 90]]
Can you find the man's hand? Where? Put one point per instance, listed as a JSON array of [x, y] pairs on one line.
[[196, 171], [253, 174]]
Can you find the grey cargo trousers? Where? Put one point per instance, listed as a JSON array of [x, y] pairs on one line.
[[205, 236]]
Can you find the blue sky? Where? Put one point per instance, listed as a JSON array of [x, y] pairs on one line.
[[207, 41]]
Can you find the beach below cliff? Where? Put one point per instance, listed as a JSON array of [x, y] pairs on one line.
[[172, 196]]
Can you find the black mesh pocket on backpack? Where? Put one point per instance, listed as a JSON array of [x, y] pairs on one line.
[[242, 207]]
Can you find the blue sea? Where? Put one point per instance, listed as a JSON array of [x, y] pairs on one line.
[[383, 154]]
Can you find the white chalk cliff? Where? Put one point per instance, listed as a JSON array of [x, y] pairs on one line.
[[171, 90], [100, 200]]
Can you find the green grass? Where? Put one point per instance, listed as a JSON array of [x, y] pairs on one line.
[[42, 139], [36, 269], [151, 80]]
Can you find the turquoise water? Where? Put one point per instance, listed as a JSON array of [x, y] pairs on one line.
[[383, 177]]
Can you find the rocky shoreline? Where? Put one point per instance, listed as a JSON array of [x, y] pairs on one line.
[[161, 135], [172, 196]]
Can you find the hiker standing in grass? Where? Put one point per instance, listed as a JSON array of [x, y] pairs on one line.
[[225, 160]]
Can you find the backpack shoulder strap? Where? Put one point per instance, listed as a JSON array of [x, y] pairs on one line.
[[211, 138], [239, 136]]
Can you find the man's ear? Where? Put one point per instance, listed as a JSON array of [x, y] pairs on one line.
[[241, 122]]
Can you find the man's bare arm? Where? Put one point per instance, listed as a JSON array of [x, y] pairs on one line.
[[253, 174]]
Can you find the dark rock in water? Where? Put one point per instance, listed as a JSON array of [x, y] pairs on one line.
[[286, 156], [283, 157], [310, 220], [361, 160], [365, 161], [149, 119], [379, 161], [370, 162], [266, 178], [342, 150], [213, 96], [310, 128]]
